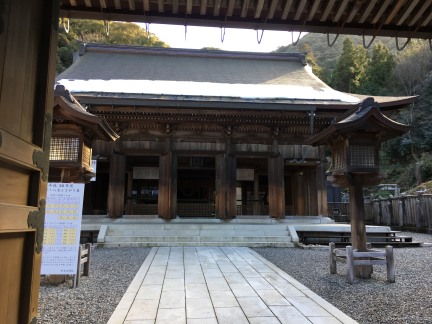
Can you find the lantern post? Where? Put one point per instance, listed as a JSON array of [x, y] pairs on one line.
[[355, 140]]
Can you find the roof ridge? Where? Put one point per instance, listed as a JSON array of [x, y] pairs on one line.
[[97, 47]]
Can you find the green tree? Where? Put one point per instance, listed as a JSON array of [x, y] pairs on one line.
[[96, 31], [378, 72], [312, 61], [350, 68]]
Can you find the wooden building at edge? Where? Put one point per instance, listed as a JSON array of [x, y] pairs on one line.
[[207, 133]]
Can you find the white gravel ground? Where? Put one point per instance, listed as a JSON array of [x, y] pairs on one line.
[[409, 300]]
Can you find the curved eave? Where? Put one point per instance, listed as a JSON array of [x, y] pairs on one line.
[[388, 103], [76, 113], [387, 127]]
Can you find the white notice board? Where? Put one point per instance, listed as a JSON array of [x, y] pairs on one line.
[[63, 216]]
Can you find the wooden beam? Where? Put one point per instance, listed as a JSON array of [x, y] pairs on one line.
[[216, 9], [117, 4], [102, 4], [161, 6], [341, 10], [174, 6], [314, 9], [367, 11], [381, 11], [88, 3], [420, 12], [394, 12], [327, 10], [203, 7], [427, 20], [287, 9], [407, 12], [245, 8], [132, 5], [258, 8], [300, 9], [146, 5], [188, 7], [354, 11], [230, 9], [272, 9]]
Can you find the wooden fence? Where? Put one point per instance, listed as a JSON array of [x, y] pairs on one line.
[[408, 212]]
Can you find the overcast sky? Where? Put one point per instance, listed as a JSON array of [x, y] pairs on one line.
[[234, 40]]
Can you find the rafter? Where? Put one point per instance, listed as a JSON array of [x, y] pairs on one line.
[[146, 5], [230, 9], [354, 11], [381, 11], [341, 10], [188, 7], [216, 9], [258, 8], [272, 9], [161, 6], [287, 9], [203, 7], [407, 12], [327, 10], [300, 9], [427, 19], [420, 12], [368, 10], [314, 9], [132, 5], [245, 8], [395, 10]]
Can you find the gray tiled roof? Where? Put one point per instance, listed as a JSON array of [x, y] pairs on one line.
[[134, 63]]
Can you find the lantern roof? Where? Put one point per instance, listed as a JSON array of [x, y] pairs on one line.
[[366, 118], [66, 107]]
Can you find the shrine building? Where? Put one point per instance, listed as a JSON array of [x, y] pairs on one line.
[[207, 133]]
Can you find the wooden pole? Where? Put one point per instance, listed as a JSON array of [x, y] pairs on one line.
[[358, 226], [276, 186], [116, 185]]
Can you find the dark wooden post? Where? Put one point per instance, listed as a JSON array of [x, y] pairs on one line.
[[276, 186], [226, 172], [321, 188], [167, 200], [116, 185], [358, 225]]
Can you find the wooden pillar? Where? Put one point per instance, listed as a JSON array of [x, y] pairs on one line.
[[276, 186], [298, 190], [226, 179], [167, 199], [257, 203], [128, 209], [321, 190], [116, 185], [358, 225]]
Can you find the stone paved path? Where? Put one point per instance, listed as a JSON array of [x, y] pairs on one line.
[[219, 285]]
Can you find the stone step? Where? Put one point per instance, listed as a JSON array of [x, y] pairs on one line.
[[223, 238], [192, 244], [198, 232], [195, 226]]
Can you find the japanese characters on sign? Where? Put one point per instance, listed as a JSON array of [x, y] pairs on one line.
[[63, 216]]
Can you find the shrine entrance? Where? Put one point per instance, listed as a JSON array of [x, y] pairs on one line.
[[195, 186]]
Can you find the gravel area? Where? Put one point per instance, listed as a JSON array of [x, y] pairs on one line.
[[95, 299], [409, 300], [373, 301]]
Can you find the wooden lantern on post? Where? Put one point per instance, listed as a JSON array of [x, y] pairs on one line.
[[73, 131], [355, 141]]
